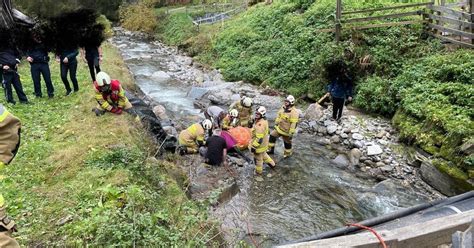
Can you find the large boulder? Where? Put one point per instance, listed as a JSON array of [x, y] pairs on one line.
[[197, 92], [160, 112], [341, 161], [440, 181], [374, 150], [354, 156], [220, 97], [314, 112]]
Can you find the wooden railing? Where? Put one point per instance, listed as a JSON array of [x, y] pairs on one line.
[[447, 23], [440, 20]]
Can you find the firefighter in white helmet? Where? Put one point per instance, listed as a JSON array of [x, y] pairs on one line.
[[192, 138], [110, 95], [230, 120], [285, 126], [259, 141], [244, 108]]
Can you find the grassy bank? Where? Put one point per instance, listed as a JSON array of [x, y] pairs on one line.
[[83, 180], [399, 71]]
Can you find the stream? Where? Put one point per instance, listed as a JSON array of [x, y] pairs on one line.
[[305, 195]]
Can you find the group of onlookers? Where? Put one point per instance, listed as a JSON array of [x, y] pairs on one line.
[[39, 59]]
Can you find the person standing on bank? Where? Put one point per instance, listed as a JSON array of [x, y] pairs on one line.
[[9, 61], [68, 62], [340, 87], [92, 55], [39, 61]]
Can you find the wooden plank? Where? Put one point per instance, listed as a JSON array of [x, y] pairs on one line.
[[454, 41], [452, 31], [449, 11], [381, 25], [338, 20], [451, 21], [371, 18], [387, 8]]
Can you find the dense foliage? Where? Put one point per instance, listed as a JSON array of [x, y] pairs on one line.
[[396, 70]]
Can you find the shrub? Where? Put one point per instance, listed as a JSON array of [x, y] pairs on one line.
[[138, 17]]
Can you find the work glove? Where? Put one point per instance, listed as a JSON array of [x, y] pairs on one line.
[[116, 110]]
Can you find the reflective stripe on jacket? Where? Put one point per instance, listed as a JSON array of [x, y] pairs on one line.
[[115, 97], [194, 133], [286, 121], [260, 137], [244, 113]]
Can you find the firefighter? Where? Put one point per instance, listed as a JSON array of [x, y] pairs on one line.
[[244, 108], [285, 126], [230, 120], [109, 95], [192, 138], [10, 128], [259, 143]]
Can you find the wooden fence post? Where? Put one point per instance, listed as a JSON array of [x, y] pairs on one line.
[[471, 11], [338, 20]]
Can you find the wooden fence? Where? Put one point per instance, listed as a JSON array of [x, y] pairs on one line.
[[452, 23], [443, 21]]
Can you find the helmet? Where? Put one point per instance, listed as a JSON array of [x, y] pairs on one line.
[[262, 111], [234, 113], [247, 101], [290, 99], [206, 124], [102, 79]]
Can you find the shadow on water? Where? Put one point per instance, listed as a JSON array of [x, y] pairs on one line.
[[305, 195]]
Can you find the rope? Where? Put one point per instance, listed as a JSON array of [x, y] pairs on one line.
[[382, 242]]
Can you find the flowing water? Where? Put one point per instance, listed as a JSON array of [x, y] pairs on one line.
[[304, 196]]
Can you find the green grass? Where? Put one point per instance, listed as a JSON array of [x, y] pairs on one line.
[[95, 171]]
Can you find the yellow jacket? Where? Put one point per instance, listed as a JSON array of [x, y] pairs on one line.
[[194, 133], [244, 113], [286, 121], [260, 133]]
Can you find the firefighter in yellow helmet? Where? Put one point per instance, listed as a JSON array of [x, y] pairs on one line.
[[244, 108], [9, 142], [230, 120], [285, 126], [192, 138], [259, 143], [109, 95]]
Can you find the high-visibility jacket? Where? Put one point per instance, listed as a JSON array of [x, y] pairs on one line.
[[194, 133], [113, 98], [244, 113], [228, 122], [286, 121], [260, 137], [10, 128]]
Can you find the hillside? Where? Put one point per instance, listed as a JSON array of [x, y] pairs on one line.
[[399, 71]]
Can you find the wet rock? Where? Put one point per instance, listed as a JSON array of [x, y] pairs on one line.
[[335, 139], [355, 130], [358, 144], [374, 150], [199, 77], [170, 130], [221, 97], [382, 142], [341, 161], [357, 136], [330, 123], [331, 129], [322, 130], [313, 125], [440, 181], [314, 112], [187, 61], [354, 156], [160, 76], [160, 112], [323, 141], [197, 92], [387, 168], [344, 135], [381, 134], [346, 130], [379, 164]]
